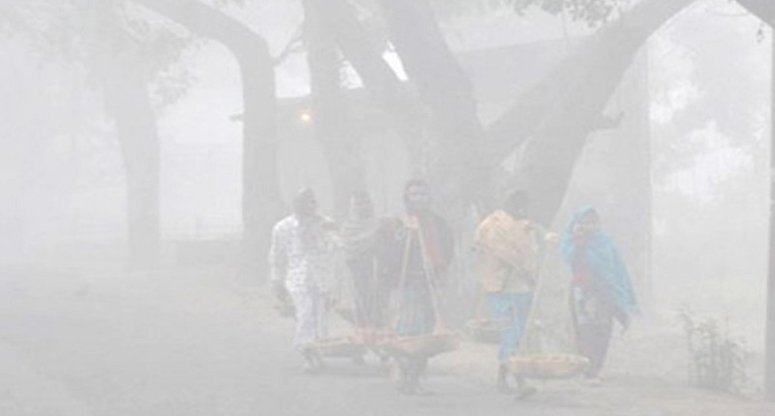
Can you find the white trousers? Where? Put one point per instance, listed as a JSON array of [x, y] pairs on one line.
[[311, 316]]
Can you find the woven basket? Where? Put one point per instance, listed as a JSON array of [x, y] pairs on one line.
[[485, 331], [422, 345], [374, 336], [548, 366], [349, 346], [376, 340]]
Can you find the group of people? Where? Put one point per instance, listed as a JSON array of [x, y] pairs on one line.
[[600, 288], [397, 267], [397, 261]]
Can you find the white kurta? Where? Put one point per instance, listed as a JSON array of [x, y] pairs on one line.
[[303, 255]]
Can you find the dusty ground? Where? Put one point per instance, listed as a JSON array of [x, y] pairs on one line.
[[171, 343]]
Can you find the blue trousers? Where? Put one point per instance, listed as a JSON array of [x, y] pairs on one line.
[[510, 311]]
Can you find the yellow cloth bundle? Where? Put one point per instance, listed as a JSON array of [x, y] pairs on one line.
[[510, 249]]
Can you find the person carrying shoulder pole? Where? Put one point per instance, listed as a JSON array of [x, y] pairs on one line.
[[508, 243]]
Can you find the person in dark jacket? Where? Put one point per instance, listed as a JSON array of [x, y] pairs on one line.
[[422, 251]]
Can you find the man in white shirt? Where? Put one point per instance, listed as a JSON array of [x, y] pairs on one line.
[[302, 260]]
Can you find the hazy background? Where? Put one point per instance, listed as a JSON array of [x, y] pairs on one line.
[[681, 178]]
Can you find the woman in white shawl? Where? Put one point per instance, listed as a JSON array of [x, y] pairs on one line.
[[361, 238]]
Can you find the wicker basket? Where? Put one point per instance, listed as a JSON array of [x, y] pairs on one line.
[[484, 330], [347, 347], [374, 336], [422, 345], [548, 366], [376, 340]]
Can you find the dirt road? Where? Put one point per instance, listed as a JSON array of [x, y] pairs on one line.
[[169, 344]]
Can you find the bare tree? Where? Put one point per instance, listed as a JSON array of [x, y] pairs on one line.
[[261, 201]]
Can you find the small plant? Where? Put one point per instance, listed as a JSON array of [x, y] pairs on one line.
[[717, 360]]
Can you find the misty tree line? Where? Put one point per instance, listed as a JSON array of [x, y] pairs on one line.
[[126, 44]]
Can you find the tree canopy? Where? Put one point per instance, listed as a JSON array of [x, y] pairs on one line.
[[593, 12]]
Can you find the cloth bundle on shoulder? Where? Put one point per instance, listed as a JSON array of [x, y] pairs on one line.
[[512, 242]]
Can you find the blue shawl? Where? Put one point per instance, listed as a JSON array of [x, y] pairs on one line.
[[603, 260]]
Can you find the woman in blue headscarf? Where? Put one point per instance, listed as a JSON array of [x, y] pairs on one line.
[[601, 289]]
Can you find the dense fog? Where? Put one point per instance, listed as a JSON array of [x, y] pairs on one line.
[[165, 160]]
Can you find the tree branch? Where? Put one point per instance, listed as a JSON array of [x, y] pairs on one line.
[[619, 40], [261, 201], [366, 57], [562, 110], [294, 45], [209, 22], [763, 9]]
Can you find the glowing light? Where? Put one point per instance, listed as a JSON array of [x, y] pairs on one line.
[[305, 117]]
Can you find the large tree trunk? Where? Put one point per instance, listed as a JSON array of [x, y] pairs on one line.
[[127, 101], [330, 109], [262, 204], [565, 107], [559, 113], [765, 10], [769, 343], [261, 201], [447, 91], [366, 56]]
